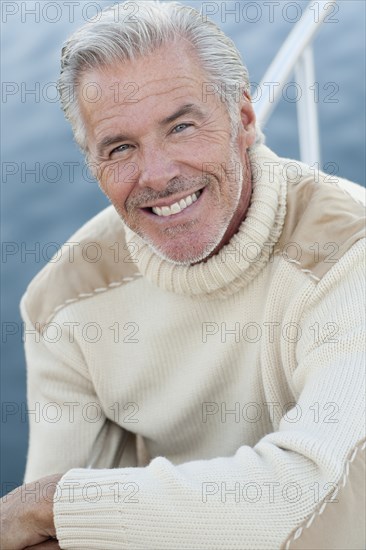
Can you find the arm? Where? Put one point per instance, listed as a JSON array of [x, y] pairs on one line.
[[58, 391], [59, 437], [68, 426], [262, 497], [62, 434]]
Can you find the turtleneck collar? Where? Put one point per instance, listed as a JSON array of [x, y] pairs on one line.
[[244, 256]]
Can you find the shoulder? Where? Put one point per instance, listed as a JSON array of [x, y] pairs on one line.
[[95, 259], [325, 218]]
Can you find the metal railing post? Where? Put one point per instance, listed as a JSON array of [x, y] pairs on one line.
[[296, 53], [307, 113]]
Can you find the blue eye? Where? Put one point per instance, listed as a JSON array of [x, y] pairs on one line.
[[181, 127], [120, 148]]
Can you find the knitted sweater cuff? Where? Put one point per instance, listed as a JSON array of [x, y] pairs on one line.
[[93, 510]]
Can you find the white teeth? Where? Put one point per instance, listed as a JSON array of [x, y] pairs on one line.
[[177, 206], [165, 211]]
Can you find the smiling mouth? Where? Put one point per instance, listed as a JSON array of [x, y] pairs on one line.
[[176, 207]]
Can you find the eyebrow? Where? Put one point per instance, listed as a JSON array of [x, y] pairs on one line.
[[187, 109]]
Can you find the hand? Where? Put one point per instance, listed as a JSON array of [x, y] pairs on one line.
[[27, 515], [51, 544]]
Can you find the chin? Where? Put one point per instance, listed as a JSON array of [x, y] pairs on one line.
[[180, 256], [184, 253]]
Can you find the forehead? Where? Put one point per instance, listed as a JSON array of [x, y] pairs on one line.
[[167, 76]]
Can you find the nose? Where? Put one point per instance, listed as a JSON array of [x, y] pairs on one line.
[[156, 167]]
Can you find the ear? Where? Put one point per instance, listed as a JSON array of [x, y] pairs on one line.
[[248, 119]]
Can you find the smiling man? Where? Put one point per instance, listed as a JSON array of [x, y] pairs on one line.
[[200, 384]]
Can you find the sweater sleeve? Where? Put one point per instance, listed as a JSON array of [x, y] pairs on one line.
[[262, 497], [67, 425]]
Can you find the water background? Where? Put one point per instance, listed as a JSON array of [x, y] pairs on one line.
[[49, 205]]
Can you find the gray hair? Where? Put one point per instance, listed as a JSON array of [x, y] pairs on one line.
[[117, 35]]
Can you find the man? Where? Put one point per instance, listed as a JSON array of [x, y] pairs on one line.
[[220, 323]]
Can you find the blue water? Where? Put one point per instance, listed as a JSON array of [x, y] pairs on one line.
[[47, 207]]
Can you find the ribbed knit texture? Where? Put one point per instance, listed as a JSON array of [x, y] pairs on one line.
[[205, 367]]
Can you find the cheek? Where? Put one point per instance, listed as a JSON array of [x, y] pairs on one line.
[[206, 148], [116, 190]]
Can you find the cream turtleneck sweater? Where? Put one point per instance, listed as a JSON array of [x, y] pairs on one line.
[[240, 379]]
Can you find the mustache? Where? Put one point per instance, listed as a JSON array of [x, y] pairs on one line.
[[175, 186]]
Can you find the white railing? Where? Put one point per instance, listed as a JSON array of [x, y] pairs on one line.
[[296, 55]]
